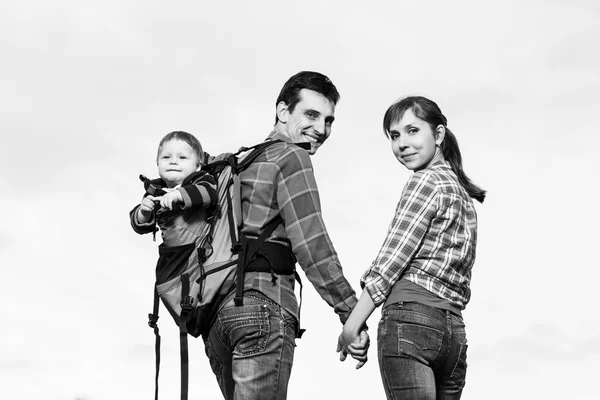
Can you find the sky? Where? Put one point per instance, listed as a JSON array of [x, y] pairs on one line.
[[88, 89]]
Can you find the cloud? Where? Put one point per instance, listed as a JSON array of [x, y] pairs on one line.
[[89, 92]]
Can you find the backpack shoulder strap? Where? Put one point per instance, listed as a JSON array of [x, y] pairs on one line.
[[246, 251], [192, 177], [255, 151], [153, 187]]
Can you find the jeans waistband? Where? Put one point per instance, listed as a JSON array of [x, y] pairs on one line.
[[255, 294], [418, 307]]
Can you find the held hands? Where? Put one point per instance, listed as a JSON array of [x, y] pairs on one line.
[[357, 345], [354, 338]]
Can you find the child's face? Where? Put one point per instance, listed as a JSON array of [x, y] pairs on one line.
[[176, 160]]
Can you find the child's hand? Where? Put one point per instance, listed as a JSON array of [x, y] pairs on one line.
[[168, 199], [146, 208]]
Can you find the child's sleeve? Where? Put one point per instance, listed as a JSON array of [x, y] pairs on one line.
[[139, 227], [200, 192]]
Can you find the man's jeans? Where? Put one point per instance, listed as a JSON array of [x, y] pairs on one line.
[[251, 349], [422, 352]]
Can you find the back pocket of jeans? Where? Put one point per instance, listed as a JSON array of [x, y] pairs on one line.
[[247, 327], [419, 342], [459, 373]]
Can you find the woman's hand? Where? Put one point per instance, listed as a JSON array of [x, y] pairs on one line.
[[354, 339], [357, 345]]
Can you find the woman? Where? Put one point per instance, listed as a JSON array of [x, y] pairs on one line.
[[422, 272]]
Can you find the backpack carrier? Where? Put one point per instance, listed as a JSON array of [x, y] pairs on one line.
[[192, 280]]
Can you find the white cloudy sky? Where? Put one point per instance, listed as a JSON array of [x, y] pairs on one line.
[[89, 88]]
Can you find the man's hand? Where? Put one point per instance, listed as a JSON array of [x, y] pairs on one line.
[[168, 199]]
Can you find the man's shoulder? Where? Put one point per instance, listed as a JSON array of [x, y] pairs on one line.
[[282, 153]]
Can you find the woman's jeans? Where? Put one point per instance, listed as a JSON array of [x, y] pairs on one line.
[[251, 349], [422, 352]]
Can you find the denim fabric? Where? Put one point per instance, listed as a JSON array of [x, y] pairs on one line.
[[422, 352], [251, 349]]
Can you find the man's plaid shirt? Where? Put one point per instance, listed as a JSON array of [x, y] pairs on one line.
[[281, 182], [431, 240]]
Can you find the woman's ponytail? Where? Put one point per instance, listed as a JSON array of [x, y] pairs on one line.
[[451, 153]]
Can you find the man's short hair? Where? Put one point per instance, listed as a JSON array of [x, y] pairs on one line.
[[315, 81]]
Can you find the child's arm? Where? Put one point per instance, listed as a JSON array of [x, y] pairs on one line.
[[200, 192], [167, 200], [144, 212], [142, 219]]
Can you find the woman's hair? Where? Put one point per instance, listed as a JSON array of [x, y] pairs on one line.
[[429, 112], [187, 138]]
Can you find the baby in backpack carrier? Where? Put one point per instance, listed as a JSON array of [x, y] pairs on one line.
[[178, 201]]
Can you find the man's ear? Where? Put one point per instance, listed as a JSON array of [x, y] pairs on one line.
[[282, 112], [440, 134]]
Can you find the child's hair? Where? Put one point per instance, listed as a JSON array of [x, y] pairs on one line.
[[428, 111], [184, 137]]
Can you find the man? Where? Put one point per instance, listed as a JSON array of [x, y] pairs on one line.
[[251, 346]]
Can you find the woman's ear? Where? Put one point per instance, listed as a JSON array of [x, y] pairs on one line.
[[440, 134], [282, 112]]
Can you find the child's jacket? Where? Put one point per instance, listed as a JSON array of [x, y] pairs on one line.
[[185, 223]]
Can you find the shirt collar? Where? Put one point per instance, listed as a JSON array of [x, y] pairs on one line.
[[277, 135], [439, 162]]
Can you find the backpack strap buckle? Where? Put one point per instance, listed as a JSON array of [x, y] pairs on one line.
[[236, 248], [187, 308], [152, 320]]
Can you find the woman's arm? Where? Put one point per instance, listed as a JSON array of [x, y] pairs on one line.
[[354, 338], [417, 208]]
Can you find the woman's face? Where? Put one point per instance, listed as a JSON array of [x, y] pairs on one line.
[[413, 141]]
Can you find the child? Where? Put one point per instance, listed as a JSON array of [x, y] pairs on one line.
[[422, 273], [181, 189]]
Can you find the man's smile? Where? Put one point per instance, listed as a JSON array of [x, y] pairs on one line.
[[310, 138]]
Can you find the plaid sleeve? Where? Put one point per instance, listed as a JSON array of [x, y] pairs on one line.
[[201, 191], [414, 213], [300, 209]]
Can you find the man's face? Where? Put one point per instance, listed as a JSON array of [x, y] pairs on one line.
[[310, 121]]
